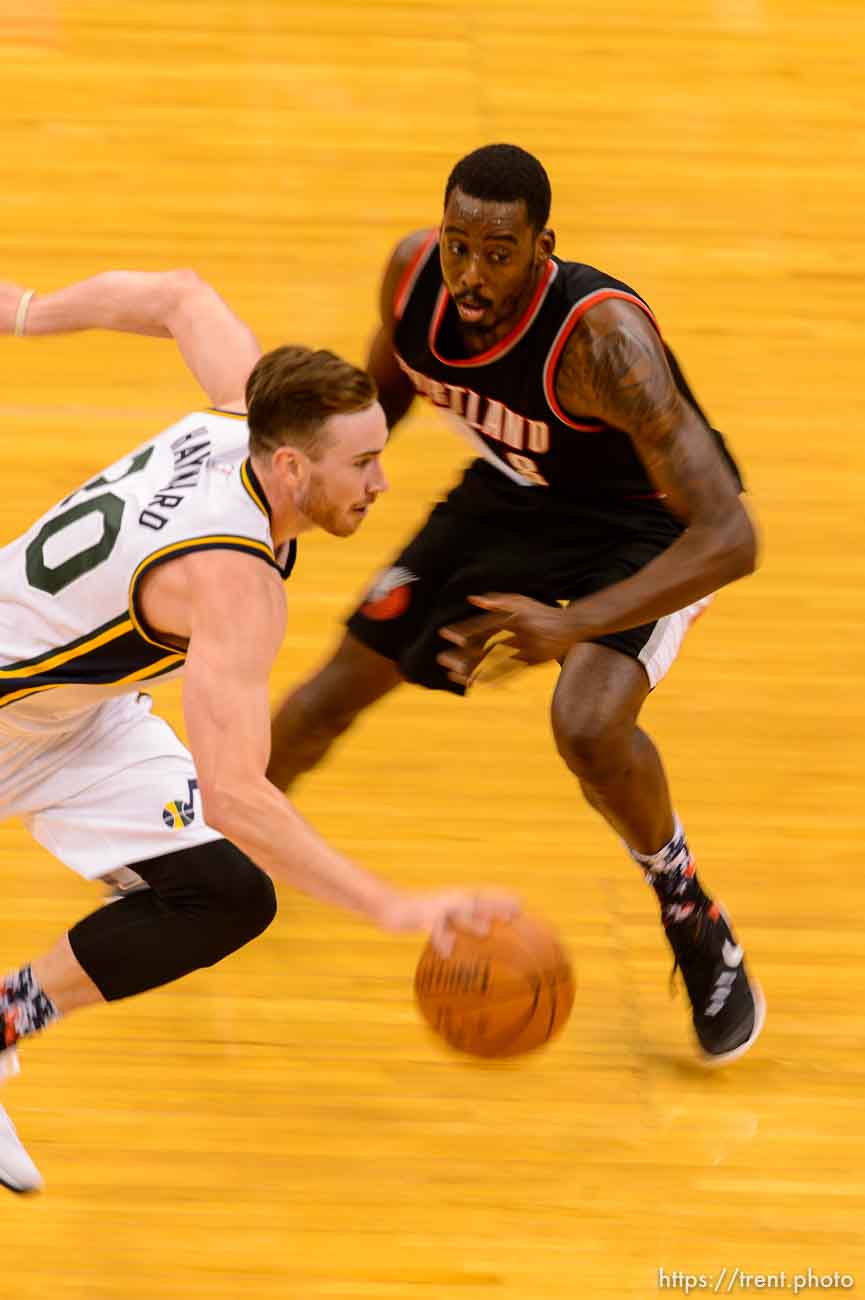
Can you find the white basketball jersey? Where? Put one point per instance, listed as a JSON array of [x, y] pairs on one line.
[[70, 625]]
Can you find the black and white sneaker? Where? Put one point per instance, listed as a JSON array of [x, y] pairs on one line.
[[728, 1006]]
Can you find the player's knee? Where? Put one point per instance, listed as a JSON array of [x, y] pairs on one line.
[[249, 902], [262, 904], [240, 900], [227, 900], [202, 903], [594, 746]]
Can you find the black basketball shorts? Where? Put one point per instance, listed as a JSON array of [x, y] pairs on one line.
[[492, 535]]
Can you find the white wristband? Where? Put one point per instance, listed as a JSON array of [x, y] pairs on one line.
[[21, 313]]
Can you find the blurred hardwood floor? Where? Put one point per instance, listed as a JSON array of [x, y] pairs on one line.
[[282, 1126]]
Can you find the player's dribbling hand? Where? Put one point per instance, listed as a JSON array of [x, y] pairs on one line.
[[532, 633], [440, 914]]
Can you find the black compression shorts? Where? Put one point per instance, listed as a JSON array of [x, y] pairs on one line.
[[492, 535]]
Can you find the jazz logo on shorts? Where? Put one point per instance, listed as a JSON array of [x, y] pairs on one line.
[[180, 812]]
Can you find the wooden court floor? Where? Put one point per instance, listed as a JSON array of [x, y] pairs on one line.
[[281, 1127]]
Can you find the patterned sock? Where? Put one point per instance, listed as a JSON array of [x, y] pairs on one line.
[[673, 876], [24, 1008]]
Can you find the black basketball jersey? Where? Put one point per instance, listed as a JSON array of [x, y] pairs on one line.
[[503, 400]]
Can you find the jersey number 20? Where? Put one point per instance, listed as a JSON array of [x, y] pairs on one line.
[[45, 577]]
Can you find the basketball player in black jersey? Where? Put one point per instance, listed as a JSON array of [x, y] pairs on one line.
[[599, 482]]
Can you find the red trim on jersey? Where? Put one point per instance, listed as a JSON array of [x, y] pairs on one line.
[[411, 273], [579, 309], [510, 340]]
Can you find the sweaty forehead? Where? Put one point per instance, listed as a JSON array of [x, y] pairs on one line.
[[485, 216]]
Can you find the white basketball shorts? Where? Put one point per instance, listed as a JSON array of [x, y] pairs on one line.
[[118, 789]]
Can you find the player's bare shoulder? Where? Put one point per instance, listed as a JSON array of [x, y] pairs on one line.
[[614, 368], [400, 266], [220, 594]]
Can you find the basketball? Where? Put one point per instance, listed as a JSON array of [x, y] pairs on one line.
[[502, 994]]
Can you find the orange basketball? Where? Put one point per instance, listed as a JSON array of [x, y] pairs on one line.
[[501, 995]]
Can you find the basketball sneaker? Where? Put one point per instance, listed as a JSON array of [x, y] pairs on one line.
[[17, 1170], [728, 1007]]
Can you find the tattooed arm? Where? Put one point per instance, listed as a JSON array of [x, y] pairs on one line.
[[614, 368]]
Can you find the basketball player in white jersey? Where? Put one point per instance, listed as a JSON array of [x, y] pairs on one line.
[[174, 559]]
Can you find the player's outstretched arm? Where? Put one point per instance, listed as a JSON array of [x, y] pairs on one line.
[[236, 628], [395, 389], [218, 347]]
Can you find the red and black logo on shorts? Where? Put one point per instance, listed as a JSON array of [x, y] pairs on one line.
[[389, 596]]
